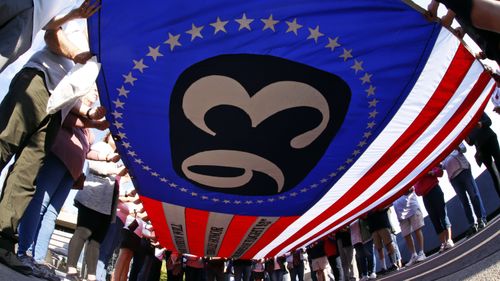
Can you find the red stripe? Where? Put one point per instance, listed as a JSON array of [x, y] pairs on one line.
[[234, 234], [453, 77], [442, 134], [273, 231], [196, 225], [157, 216], [450, 148]]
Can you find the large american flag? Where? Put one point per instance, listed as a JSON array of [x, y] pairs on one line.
[[251, 129]]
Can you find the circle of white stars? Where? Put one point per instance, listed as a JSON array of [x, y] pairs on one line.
[[217, 27]]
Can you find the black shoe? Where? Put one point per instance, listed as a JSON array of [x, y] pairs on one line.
[[10, 259], [72, 277], [481, 225], [393, 268], [471, 231], [39, 270]]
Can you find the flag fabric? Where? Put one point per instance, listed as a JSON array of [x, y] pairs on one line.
[[251, 128]]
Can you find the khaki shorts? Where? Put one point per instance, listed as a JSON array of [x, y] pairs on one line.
[[412, 223], [319, 263], [381, 238]]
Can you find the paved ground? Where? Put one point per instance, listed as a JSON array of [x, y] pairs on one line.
[[476, 258]]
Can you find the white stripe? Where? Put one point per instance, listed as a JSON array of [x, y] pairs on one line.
[[176, 221], [439, 59], [423, 140], [217, 226]]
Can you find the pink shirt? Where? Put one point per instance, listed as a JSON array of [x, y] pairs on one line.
[[427, 182]]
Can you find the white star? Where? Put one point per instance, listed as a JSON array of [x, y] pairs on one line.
[[173, 41], [293, 194], [362, 143], [293, 26], [122, 92], [118, 103], [163, 180], [323, 180], [269, 23], [117, 114], [314, 34], [366, 78], [226, 201], [183, 189], [370, 125], [332, 43], [138, 161], [194, 194], [373, 113], [155, 174], [303, 190], [282, 197], [349, 161], [314, 185], [370, 91], [172, 185], [333, 175], [140, 65], [215, 199], [126, 145], [195, 31], [204, 197], [356, 152], [248, 202], [237, 202], [373, 103], [132, 153], [346, 55], [154, 52], [270, 199], [118, 125], [122, 135], [367, 134], [260, 201], [146, 167], [244, 22], [129, 78], [358, 66], [219, 25], [341, 168]]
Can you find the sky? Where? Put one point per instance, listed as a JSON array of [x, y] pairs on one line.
[[7, 74]]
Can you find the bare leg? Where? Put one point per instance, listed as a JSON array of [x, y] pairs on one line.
[[410, 244], [420, 239]]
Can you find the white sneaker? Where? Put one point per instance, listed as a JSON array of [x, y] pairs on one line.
[[421, 257], [372, 276], [449, 244], [412, 260]]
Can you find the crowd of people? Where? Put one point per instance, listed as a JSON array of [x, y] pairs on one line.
[[55, 148]]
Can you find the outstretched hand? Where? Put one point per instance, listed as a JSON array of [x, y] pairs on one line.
[[86, 10]]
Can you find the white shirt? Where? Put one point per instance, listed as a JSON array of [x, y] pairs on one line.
[[406, 206], [55, 67], [45, 10]]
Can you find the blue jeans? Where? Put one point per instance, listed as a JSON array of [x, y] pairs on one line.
[[277, 275], [54, 183], [111, 242], [464, 183]]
